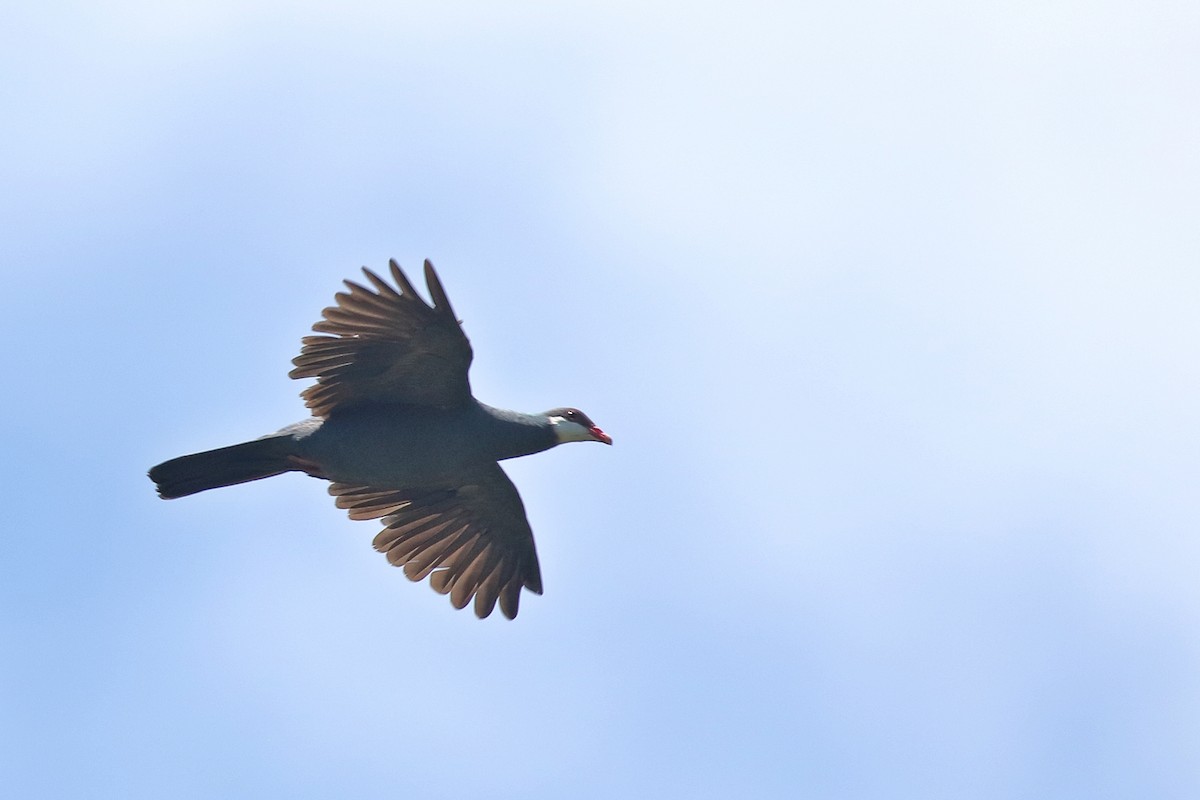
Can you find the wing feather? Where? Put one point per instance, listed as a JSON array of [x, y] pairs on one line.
[[472, 541], [383, 345], [489, 589]]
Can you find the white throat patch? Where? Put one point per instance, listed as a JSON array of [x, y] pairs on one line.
[[567, 431]]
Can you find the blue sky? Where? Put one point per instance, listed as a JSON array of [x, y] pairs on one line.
[[890, 309]]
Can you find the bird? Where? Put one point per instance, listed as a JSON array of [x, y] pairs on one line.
[[400, 437]]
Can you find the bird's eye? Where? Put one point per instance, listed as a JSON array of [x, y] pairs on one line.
[[571, 415]]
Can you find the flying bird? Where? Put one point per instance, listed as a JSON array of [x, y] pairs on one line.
[[400, 437]]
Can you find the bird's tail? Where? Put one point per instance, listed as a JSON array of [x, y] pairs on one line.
[[224, 466]]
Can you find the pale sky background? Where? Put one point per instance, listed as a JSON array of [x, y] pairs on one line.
[[891, 308]]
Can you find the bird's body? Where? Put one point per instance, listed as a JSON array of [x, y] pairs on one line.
[[409, 445], [398, 433]]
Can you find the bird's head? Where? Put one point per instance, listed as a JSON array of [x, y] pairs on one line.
[[572, 425]]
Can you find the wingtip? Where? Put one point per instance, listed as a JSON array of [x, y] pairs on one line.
[[402, 280], [436, 290]]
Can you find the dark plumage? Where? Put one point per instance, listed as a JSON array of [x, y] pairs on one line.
[[397, 432]]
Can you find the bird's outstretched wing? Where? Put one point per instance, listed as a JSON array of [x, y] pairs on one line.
[[472, 540], [386, 346]]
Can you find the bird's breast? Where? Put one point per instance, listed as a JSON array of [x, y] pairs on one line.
[[395, 447]]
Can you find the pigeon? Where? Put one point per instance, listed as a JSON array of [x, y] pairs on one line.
[[400, 437]]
